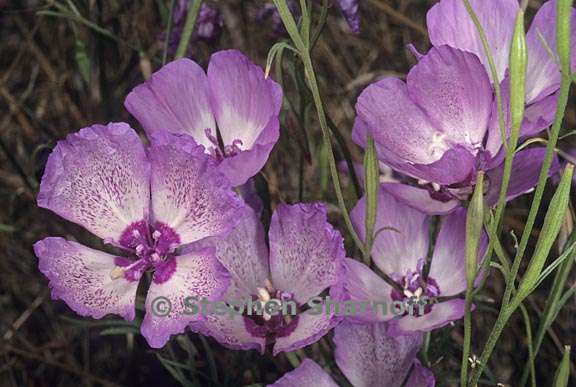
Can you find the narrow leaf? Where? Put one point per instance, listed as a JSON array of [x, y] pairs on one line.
[[371, 183], [550, 230], [563, 372]]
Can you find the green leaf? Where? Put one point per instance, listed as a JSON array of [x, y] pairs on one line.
[[563, 372], [550, 230], [276, 50], [518, 63], [563, 28], [175, 370], [474, 226], [371, 184], [119, 331], [82, 60]]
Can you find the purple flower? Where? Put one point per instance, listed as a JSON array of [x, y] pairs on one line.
[[148, 203], [449, 24], [401, 254], [232, 111], [308, 373], [305, 258], [348, 8], [368, 357], [438, 128], [270, 11]]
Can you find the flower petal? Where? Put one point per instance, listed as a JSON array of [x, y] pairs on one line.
[[369, 357], [306, 252], [537, 116], [309, 329], [98, 178], [441, 314], [362, 284], [230, 331], [398, 249], [197, 274], [82, 277], [453, 89], [174, 99], [400, 128], [349, 9], [308, 373], [420, 199], [244, 254], [526, 168], [456, 166], [420, 376], [188, 193], [244, 102], [543, 73], [245, 164], [448, 266], [450, 24]]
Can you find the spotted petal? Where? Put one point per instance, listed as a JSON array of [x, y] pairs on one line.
[[308, 373], [82, 277], [188, 194], [244, 254], [402, 237], [169, 300], [310, 328], [369, 357], [98, 178], [230, 331], [306, 252], [441, 314]]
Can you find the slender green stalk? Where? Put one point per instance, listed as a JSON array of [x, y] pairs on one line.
[[550, 230], [191, 17], [474, 225], [552, 303], [563, 28], [168, 32], [531, 353], [301, 46]]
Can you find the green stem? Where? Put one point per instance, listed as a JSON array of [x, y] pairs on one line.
[[563, 39], [191, 17], [552, 304], [531, 353], [168, 32], [310, 76]]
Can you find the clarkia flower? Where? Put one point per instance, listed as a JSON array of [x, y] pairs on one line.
[[232, 110], [348, 8], [436, 128], [450, 24], [304, 258], [368, 357], [401, 253], [208, 25], [146, 202]]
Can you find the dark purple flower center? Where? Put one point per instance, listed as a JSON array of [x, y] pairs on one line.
[[152, 247], [271, 326], [415, 289], [221, 152]]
